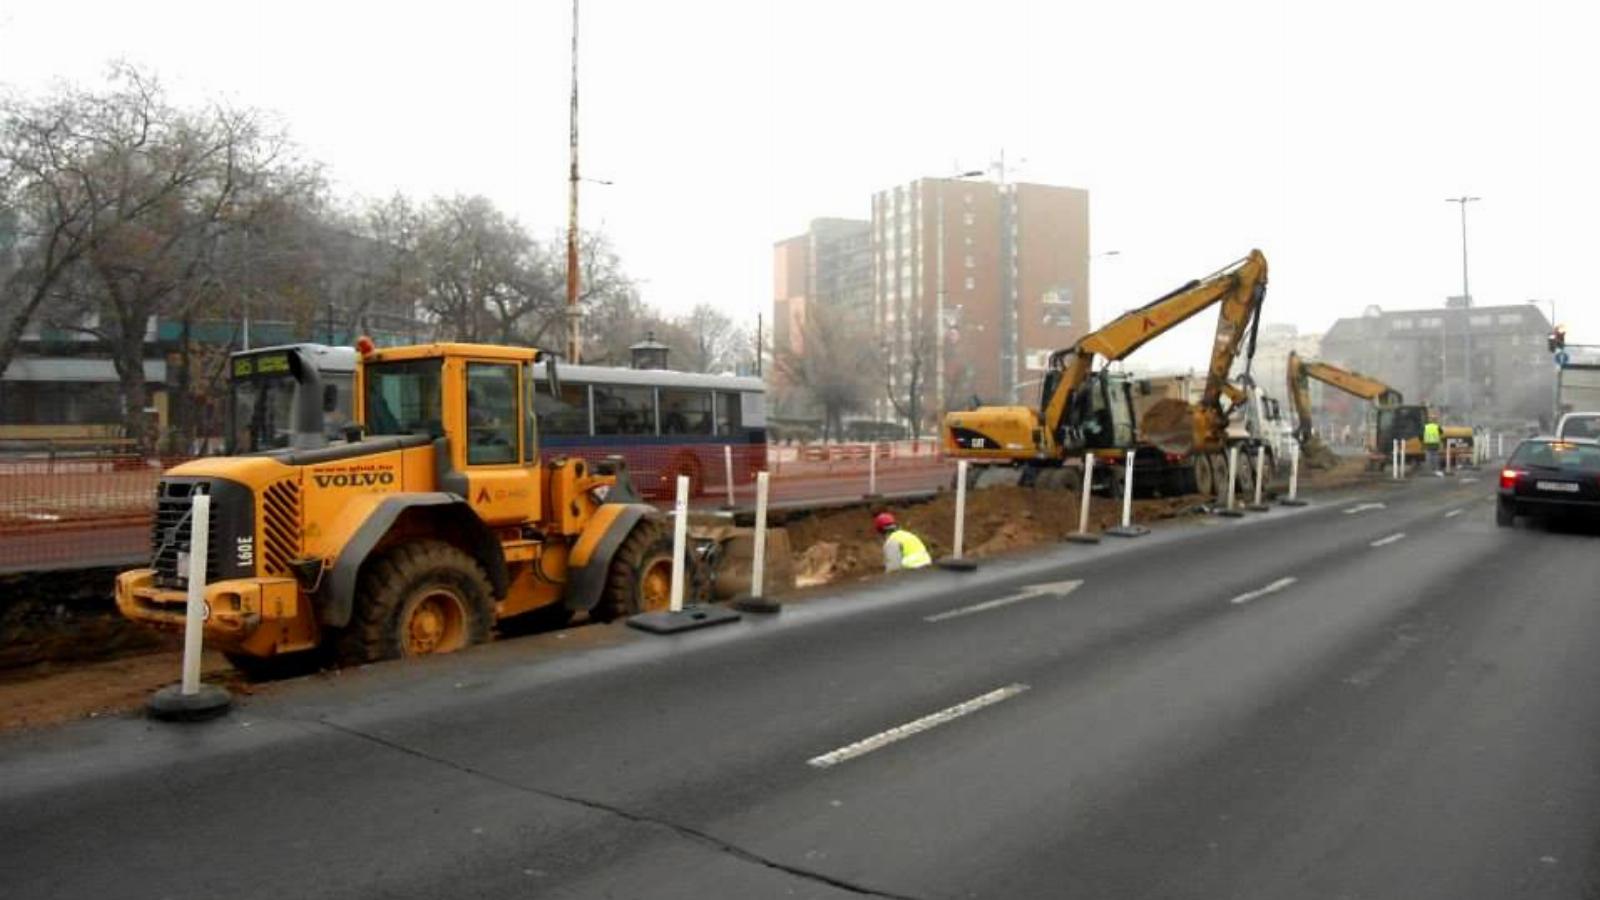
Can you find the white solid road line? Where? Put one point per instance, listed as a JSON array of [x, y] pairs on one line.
[[1381, 542], [1056, 588], [901, 732], [1453, 513], [1468, 479], [1363, 507], [1272, 588]]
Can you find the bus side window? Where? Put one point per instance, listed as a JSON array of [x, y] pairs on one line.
[[728, 418], [624, 410], [567, 415], [685, 411]]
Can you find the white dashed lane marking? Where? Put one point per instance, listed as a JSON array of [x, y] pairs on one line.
[[901, 732], [1384, 542], [1272, 588]]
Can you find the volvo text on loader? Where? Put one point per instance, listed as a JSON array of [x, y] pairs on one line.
[[439, 519]]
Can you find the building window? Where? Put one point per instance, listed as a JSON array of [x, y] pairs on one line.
[[972, 283], [1430, 322], [1401, 324], [1481, 321], [968, 240], [1510, 318], [970, 262], [968, 218]]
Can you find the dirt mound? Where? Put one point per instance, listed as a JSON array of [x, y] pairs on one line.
[[1169, 424], [839, 545]]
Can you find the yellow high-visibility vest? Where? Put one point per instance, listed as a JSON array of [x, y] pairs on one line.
[[1431, 433], [913, 555]]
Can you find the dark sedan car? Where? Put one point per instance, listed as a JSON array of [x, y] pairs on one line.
[[1550, 477]]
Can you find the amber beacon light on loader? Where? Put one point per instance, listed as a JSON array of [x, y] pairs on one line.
[[437, 519]]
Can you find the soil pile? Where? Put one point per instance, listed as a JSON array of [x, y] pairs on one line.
[[841, 545]]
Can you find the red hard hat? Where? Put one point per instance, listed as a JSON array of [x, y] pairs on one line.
[[883, 522]]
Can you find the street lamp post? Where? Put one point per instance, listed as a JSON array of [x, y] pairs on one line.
[[1466, 298]]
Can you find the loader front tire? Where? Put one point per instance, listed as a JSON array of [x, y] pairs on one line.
[[418, 599], [639, 578]]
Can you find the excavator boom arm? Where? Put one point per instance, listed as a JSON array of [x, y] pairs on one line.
[[1240, 286], [1301, 371]]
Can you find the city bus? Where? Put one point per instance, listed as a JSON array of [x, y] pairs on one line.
[[664, 423]]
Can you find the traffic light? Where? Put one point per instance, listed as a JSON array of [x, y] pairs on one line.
[[1557, 341]]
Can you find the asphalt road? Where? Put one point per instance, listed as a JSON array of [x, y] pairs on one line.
[[1351, 700]]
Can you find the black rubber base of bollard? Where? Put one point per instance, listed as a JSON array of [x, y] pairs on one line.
[[171, 704], [952, 564], [1128, 531], [1259, 507], [1083, 537], [1231, 513], [687, 619], [1293, 501], [872, 496], [749, 604]]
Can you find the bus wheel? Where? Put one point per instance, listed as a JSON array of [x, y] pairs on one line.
[[418, 599], [640, 577]]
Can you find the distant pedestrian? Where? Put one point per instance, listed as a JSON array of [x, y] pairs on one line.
[[901, 548], [1432, 436]]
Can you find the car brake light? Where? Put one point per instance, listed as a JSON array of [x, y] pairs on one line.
[[1508, 478]]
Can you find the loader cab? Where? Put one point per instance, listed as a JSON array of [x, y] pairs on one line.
[[475, 402]]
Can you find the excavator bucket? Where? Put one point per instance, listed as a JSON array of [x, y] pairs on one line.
[[1316, 454]]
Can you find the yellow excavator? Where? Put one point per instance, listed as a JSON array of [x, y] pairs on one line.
[[1392, 418], [1087, 410]]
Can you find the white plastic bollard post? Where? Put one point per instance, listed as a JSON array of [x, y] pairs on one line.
[[872, 470], [1294, 477], [195, 611], [727, 471], [955, 562], [1500, 446], [1233, 472], [758, 556], [1088, 489], [1449, 453], [961, 507], [1082, 535], [756, 601], [1127, 488], [680, 537]]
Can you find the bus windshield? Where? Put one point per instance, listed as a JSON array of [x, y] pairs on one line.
[[263, 412]]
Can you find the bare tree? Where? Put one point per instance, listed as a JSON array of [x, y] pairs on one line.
[[830, 369], [906, 374]]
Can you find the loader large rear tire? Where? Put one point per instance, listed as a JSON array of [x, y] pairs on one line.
[[418, 599], [640, 577]]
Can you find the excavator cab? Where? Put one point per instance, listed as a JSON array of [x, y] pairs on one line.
[[1100, 415]]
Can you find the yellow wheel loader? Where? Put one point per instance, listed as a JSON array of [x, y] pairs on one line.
[[437, 519]]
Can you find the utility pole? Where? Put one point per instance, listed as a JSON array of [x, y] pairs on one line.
[[574, 313], [1466, 299]]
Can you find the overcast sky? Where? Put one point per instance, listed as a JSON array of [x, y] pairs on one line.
[[1327, 134]]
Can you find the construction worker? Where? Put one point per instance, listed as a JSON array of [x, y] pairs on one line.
[[1432, 435], [901, 548]]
